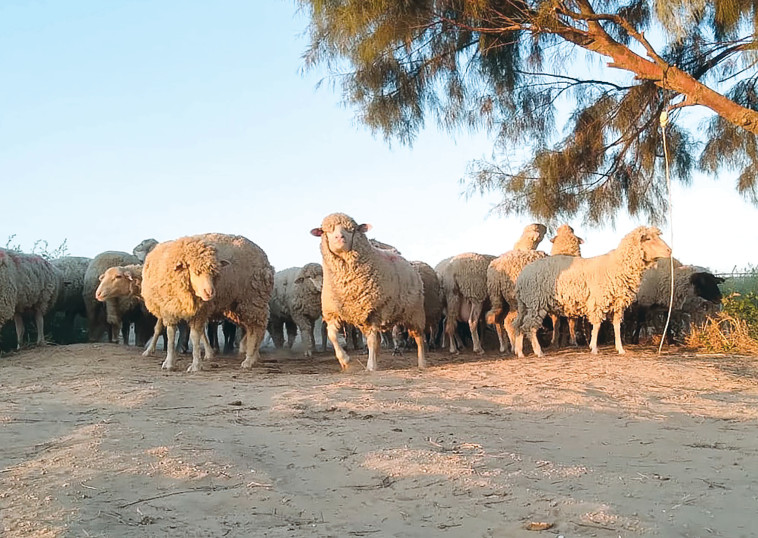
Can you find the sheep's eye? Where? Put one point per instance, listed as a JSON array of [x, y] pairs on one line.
[[119, 276]]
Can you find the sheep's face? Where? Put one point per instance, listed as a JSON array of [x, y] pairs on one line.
[[143, 249], [202, 284], [115, 282], [653, 247], [340, 238]]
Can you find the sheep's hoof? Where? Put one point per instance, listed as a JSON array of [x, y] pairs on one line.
[[195, 368], [248, 363], [147, 353], [167, 366]]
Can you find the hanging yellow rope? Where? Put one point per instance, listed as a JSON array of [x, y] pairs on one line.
[[664, 121]]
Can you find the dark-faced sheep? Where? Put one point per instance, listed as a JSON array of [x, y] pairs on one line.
[[370, 288], [593, 287], [202, 277]]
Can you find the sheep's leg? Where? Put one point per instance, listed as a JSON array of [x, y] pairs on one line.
[[40, 322], [617, 319], [306, 334], [157, 331], [253, 339], [556, 330], [333, 331], [210, 351], [397, 340], [572, 331], [19, 330], [419, 338], [197, 332], [374, 344], [518, 347], [125, 327], [324, 336], [500, 336], [291, 327], [510, 317], [276, 330], [593, 338], [168, 364], [473, 323], [535, 343]]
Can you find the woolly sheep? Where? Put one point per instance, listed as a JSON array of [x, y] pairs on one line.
[[433, 299], [567, 243], [593, 287], [118, 313], [370, 288], [143, 249], [70, 300], [464, 281], [296, 304], [29, 284], [198, 278], [501, 281], [696, 293]]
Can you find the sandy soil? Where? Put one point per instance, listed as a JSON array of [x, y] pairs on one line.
[[98, 441]]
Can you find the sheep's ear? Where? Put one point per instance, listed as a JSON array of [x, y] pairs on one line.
[[581, 241], [552, 239], [100, 278], [363, 228], [318, 232], [179, 266], [224, 263], [129, 275]]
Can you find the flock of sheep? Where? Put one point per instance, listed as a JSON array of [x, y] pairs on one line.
[[361, 285]]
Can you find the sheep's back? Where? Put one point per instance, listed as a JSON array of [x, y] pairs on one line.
[[284, 283], [503, 271], [8, 286], [469, 272], [37, 281]]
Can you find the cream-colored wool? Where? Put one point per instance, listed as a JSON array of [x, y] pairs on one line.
[[296, 304]]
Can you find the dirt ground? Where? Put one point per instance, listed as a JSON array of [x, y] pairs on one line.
[[98, 441]]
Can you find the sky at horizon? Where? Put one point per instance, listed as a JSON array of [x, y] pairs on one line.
[[132, 119]]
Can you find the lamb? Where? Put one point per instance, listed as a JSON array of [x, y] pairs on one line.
[[143, 249], [70, 300], [370, 288], [696, 294], [464, 280], [201, 277], [29, 284], [433, 299], [119, 313], [296, 304], [593, 287]]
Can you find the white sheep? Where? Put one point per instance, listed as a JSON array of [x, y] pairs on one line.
[[593, 287], [118, 313], [296, 304], [464, 281], [29, 285], [201, 277], [567, 243], [433, 299], [370, 288], [696, 294], [501, 281]]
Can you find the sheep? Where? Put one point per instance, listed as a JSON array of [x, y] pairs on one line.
[[696, 294], [201, 277], [70, 300], [501, 281], [29, 284], [296, 304], [119, 312], [464, 281], [567, 243], [593, 287], [433, 299], [144, 248], [370, 288]]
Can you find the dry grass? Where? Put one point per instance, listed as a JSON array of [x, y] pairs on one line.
[[722, 333]]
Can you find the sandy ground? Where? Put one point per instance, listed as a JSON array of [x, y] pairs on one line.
[[98, 441]]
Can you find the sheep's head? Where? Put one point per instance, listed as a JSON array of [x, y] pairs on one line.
[[143, 249], [339, 231], [649, 240], [199, 261], [118, 282], [313, 273], [566, 242], [531, 237]]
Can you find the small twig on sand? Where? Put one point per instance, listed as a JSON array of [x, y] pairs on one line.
[[193, 490]]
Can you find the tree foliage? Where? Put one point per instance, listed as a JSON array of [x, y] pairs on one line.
[[515, 66]]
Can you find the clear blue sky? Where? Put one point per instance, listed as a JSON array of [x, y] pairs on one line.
[[121, 120]]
